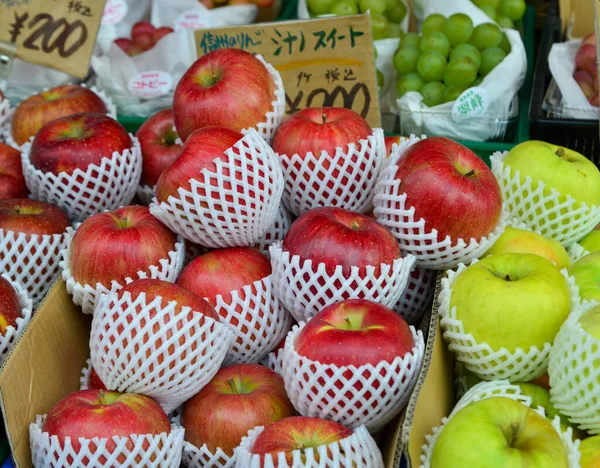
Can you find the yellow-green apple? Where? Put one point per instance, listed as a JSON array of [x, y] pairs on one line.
[[498, 432], [502, 295], [591, 242], [237, 399], [297, 433], [76, 141], [96, 413], [12, 182], [590, 452], [10, 307], [586, 272], [158, 140], [32, 217], [37, 110], [590, 322], [450, 188], [515, 240], [211, 90], [389, 144], [116, 245]]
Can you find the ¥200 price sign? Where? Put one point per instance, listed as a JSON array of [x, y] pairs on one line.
[[56, 33]]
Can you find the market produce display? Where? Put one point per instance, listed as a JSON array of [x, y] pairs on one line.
[[504, 12], [144, 36]]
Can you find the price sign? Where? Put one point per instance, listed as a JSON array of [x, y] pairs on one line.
[[323, 62], [55, 33], [472, 103], [150, 84]]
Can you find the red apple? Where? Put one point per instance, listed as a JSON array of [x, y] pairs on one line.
[[37, 110], [297, 433], [115, 245], [124, 43], [589, 39], [12, 182], [586, 58], [237, 399], [389, 143], [95, 383], [142, 27], [210, 92], [10, 307], [32, 217], [451, 188], [595, 100], [76, 141], [582, 76]]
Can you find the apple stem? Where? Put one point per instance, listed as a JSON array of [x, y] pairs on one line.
[[324, 117], [348, 322], [470, 173], [560, 152], [507, 277], [232, 386]]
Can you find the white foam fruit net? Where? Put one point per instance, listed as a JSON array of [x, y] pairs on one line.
[[351, 395], [257, 319], [305, 289], [577, 252], [417, 295], [485, 362], [31, 260], [432, 253], [147, 450], [86, 295], [86, 372], [344, 179], [235, 205], [277, 231], [104, 186], [500, 388], [194, 457], [153, 349], [145, 193], [553, 215], [12, 334], [274, 361], [6, 112]]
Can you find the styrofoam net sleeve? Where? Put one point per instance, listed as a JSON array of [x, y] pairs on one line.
[[357, 450], [274, 361], [500, 388], [351, 395], [417, 295], [544, 213], [202, 457], [577, 252], [145, 193], [277, 231], [485, 362], [214, 216], [13, 333], [432, 253], [151, 451], [86, 295], [151, 348], [31, 260], [305, 289], [345, 179], [6, 112], [257, 319]]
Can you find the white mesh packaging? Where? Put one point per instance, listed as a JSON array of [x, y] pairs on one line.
[[145, 193], [257, 319], [202, 457], [344, 179], [106, 186], [551, 214], [86, 295], [417, 295], [274, 361], [150, 451], [305, 289], [351, 395], [356, 451], [277, 231], [154, 349], [485, 362], [432, 253], [235, 205], [577, 251], [5, 112], [31, 260], [84, 379], [13, 333], [500, 388]]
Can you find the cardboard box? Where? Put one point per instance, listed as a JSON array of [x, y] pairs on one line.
[[577, 17]]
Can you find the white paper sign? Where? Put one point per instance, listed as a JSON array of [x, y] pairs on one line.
[[150, 84], [114, 11], [473, 102], [197, 18]]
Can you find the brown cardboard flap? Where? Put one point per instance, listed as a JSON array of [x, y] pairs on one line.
[[578, 16]]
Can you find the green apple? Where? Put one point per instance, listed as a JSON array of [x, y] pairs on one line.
[[515, 240], [591, 242], [498, 433], [560, 168], [511, 301], [590, 452], [586, 272], [320, 7]]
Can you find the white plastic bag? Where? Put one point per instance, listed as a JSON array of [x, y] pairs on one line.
[[191, 14], [118, 18], [29, 78]]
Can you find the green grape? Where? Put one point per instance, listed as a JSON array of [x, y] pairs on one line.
[[320, 7], [394, 30], [380, 79], [405, 60], [431, 65], [505, 23], [411, 38], [458, 29], [486, 35], [374, 6], [466, 50], [379, 26], [407, 83], [460, 73], [345, 7], [432, 23], [491, 57], [435, 41], [480, 3], [505, 44], [489, 10], [395, 12], [512, 9], [477, 81], [433, 93], [451, 93]]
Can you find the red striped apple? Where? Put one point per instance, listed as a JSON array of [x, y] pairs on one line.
[[12, 182], [389, 143], [10, 307], [95, 383], [32, 217]]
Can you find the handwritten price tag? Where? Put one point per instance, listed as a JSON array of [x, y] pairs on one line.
[[114, 11], [471, 103], [151, 84], [198, 18]]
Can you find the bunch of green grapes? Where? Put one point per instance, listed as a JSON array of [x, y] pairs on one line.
[[386, 15], [504, 12], [450, 56]]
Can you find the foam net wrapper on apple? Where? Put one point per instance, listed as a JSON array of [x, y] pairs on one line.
[[488, 364], [86, 295], [153, 349], [13, 333], [274, 361], [235, 216], [431, 253], [565, 220], [500, 388], [86, 372], [202, 457], [31, 260], [577, 251], [257, 319], [417, 295], [305, 288], [344, 179], [351, 395], [277, 231], [6, 112], [156, 451], [106, 186], [146, 193]]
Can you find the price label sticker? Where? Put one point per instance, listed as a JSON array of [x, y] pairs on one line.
[[114, 11], [150, 84], [197, 18], [473, 102]]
